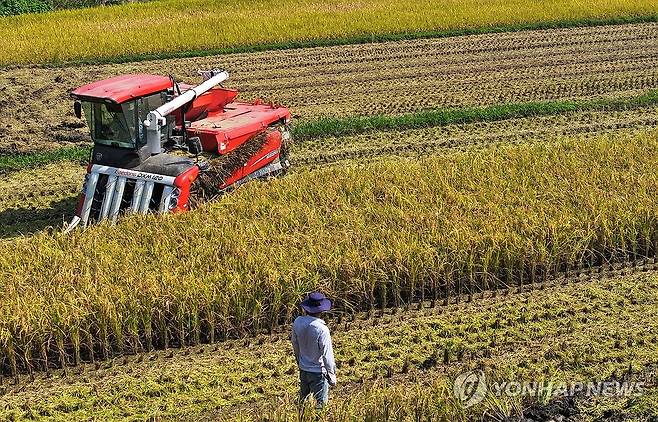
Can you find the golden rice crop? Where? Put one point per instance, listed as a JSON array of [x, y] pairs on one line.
[[380, 234], [182, 25], [570, 331]]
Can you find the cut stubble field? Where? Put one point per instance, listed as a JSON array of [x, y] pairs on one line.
[[371, 79], [414, 143]]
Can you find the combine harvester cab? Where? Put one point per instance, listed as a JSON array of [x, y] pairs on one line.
[[148, 132]]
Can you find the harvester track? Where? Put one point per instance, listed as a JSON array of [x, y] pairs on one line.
[[369, 79]]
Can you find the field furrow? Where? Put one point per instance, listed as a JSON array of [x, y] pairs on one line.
[[366, 79]]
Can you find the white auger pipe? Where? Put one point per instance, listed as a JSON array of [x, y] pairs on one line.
[[156, 118]]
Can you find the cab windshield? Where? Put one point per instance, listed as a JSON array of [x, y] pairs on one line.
[[119, 125], [111, 124]]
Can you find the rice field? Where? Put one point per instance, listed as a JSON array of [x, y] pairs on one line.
[[393, 365], [175, 26], [37, 198], [366, 80], [446, 227], [472, 202]]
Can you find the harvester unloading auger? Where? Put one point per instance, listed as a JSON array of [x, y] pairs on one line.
[[148, 132]]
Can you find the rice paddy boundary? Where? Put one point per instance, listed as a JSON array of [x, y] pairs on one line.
[[360, 39], [325, 127]]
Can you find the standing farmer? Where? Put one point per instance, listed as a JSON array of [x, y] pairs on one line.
[[311, 343]]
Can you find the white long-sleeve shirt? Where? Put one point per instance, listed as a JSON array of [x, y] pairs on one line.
[[311, 343]]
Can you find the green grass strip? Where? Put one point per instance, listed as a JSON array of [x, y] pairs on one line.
[[354, 125], [360, 39], [15, 162], [315, 129]]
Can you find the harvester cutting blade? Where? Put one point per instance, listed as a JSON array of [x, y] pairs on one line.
[[73, 224]]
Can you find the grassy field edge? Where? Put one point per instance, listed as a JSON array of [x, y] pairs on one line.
[[15, 162], [359, 39], [441, 117], [314, 129]]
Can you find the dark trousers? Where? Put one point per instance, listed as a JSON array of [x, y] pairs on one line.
[[315, 384]]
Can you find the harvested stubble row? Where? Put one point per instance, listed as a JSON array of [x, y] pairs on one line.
[[385, 233], [450, 138], [38, 198], [368, 79], [407, 363]]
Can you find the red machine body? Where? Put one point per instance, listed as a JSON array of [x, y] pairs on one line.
[[122, 161]]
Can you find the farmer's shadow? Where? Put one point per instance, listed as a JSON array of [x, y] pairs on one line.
[[23, 221]]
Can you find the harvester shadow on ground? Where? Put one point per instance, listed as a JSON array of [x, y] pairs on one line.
[[22, 221]]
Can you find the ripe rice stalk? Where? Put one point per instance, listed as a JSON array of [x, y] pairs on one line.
[[354, 232], [448, 286], [75, 340], [206, 187], [61, 350], [181, 332], [383, 297], [27, 363], [89, 343], [105, 342], [43, 351], [245, 27]]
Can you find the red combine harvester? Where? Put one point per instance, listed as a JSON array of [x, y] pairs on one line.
[[148, 132]]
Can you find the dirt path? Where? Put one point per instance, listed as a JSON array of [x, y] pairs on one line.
[[386, 78]]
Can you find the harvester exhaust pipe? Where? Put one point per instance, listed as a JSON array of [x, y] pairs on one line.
[[157, 118]]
